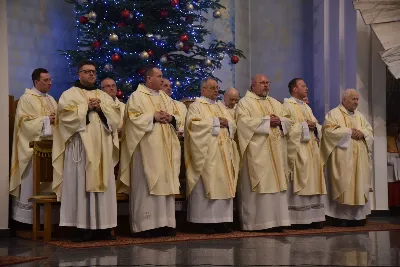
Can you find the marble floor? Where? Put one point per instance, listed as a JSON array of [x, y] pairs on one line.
[[355, 249]]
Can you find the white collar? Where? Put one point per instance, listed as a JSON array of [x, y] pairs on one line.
[[208, 100], [298, 101], [38, 92]]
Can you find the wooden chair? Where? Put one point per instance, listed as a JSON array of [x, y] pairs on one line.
[[42, 172]]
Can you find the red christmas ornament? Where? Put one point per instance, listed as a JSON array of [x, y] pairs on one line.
[[121, 24], [235, 59], [119, 94], [184, 37], [125, 14], [164, 13], [141, 26], [186, 48], [141, 72], [96, 44], [174, 3], [150, 52], [115, 58], [83, 19]]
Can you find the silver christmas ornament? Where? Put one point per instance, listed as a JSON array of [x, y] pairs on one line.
[[92, 15], [108, 67], [207, 62], [127, 85], [220, 56], [149, 35], [157, 37], [189, 7], [113, 37], [179, 45], [144, 55], [130, 16], [178, 83], [217, 14], [163, 59]]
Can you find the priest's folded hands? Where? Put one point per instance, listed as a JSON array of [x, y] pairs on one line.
[[275, 121], [162, 117]]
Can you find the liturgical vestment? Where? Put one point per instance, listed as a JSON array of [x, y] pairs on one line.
[[122, 111], [150, 161], [32, 123], [306, 177], [348, 164], [85, 151], [262, 181], [179, 112], [212, 163]]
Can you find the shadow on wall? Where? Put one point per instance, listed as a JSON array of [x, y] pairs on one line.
[[36, 30]]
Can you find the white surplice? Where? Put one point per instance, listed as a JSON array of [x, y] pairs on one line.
[[81, 209]]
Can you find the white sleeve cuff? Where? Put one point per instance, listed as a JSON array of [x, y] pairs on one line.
[[345, 141], [46, 129], [305, 133], [215, 127], [150, 126], [231, 135], [265, 126], [284, 126]]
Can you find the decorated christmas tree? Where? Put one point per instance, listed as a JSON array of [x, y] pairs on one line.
[[124, 36]]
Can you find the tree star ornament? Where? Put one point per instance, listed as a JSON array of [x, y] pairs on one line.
[[113, 37], [144, 55], [92, 15], [217, 14]]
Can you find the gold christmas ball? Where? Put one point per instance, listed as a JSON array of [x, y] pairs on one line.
[[113, 37], [217, 14], [144, 55]]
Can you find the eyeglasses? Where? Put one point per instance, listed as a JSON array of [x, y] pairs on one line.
[[89, 72], [109, 86]]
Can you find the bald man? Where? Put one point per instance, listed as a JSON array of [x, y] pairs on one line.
[[108, 86], [346, 149], [261, 128], [179, 109], [231, 98]]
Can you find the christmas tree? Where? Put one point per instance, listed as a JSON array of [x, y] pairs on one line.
[[124, 36]]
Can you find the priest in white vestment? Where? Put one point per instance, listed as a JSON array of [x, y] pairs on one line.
[[150, 159], [179, 108], [306, 176], [212, 161], [34, 121], [231, 98], [85, 151], [261, 127], [108, 85], [346, 148]]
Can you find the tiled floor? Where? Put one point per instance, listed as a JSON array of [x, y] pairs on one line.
[[357, 249]]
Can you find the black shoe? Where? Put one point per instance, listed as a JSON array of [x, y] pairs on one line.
[[222, 228], [299, 226], [207, 229], [340, 222], [165, 232], [357, 223], [143, 234], [83, 235], [317, 225], [278, 229], [104, 234]]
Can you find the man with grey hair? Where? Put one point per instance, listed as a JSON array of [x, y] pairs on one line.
[[231, 98], [108, 85], [346, 148], [212, 161]]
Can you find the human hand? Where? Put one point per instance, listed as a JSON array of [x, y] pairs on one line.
[[311, 124], [275, 121], [223, 123]]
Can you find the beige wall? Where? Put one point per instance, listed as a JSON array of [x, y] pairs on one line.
[[3, 117]]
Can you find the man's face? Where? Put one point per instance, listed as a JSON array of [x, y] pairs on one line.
[[166, 87], [155, 81], [109, 86], [301, 89], [210, 90], [231, 99], [260, 86], [44, 83], [87, 75], [351, 101]]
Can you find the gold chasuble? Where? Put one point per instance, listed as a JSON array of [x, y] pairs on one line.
[[28, 126], [262, 149], [179, 112], [209, 154], [348, 161], [100, 141], [159, 145], [122, 111], [304, 161]]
